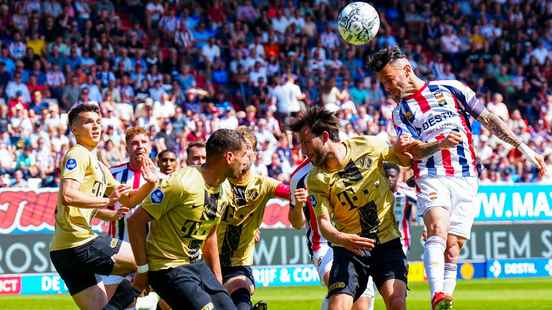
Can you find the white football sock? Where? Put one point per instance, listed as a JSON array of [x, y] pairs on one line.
[[450, 278], [434, 263]]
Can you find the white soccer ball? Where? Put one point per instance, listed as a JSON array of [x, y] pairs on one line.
[[358, 23]]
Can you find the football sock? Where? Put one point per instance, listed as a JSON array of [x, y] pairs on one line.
[[434, 263], [450, 278]]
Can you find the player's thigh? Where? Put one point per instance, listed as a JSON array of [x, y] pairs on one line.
[[78, 266], [464, 206], [348, 275], [323, 264], [431, 193], [340, 302], [390, 266], [124, 262], [91, 298], [180, 287]]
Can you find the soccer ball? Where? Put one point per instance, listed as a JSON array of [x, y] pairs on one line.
[[358, 23]]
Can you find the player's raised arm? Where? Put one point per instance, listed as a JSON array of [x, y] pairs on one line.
[[296, 204], [135, 197], [500, 129]]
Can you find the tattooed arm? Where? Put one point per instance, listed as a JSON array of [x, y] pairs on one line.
[[499, 128]]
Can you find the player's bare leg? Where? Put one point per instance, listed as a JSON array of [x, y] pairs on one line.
[[394, 294], [91, 298], [364, 302], [436, 222], [340, 302], [124, 260]]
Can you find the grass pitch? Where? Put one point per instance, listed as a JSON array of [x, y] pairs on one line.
[[515, 294]]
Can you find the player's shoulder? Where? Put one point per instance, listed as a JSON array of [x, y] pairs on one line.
[[318, 180], [76, 155], [451, 85], [118, 168], [303, 168], [366, 143], [184, 178]]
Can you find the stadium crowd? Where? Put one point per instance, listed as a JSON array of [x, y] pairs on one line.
[[182, 69]]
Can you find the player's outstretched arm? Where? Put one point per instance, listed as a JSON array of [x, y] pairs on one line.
[[211, 253], [137, 227], [111, 215], [71, 195], [351, 242], [500, 129], [419, 149], [295, 213]]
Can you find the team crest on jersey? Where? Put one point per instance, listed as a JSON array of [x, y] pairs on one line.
[[409, 116], [313, 201], [251, 195], [71, 164], [365, 162], [432, 196], [157, 196]]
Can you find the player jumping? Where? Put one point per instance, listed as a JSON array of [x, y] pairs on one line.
[[300, 213], [432, 120], [348, 183]]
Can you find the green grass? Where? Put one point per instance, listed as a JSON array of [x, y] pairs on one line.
[[534, 294]]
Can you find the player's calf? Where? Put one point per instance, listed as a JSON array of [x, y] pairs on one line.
[[124, 295]]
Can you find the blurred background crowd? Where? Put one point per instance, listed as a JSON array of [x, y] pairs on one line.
[[182, 69]]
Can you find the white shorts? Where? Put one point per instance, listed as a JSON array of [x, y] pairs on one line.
[[455, 194], [323, 262]]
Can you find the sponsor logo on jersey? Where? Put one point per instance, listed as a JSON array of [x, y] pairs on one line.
[[438, 118], [71, 164], [157, 196]]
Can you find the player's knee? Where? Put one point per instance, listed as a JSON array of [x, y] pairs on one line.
[[340, 302], [436, 229], [396, 301]]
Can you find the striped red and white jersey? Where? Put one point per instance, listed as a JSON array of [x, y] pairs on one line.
[[316, 242], [430, 114], [124, 174], [404, 200]]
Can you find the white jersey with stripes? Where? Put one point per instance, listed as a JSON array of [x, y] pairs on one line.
[[124, 174], [430, 114], [318, 245]]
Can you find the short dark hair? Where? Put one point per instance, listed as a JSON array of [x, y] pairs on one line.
[[391, 166], [222, 141], [165, 151], [81, 108], [194, 144], [318, 120], [379, 59]]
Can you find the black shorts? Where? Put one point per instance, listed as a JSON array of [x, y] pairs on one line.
[[234, 271], [349, 273], [78, 266], [190, 286]]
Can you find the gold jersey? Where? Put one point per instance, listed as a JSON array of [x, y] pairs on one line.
[[357, 197], [73, 223], [184, 210], [242, 218]]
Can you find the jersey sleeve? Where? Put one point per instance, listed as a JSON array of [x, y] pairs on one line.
[[319, 198], [160, 200], [465, 97], [401, 124], [75, 164]]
